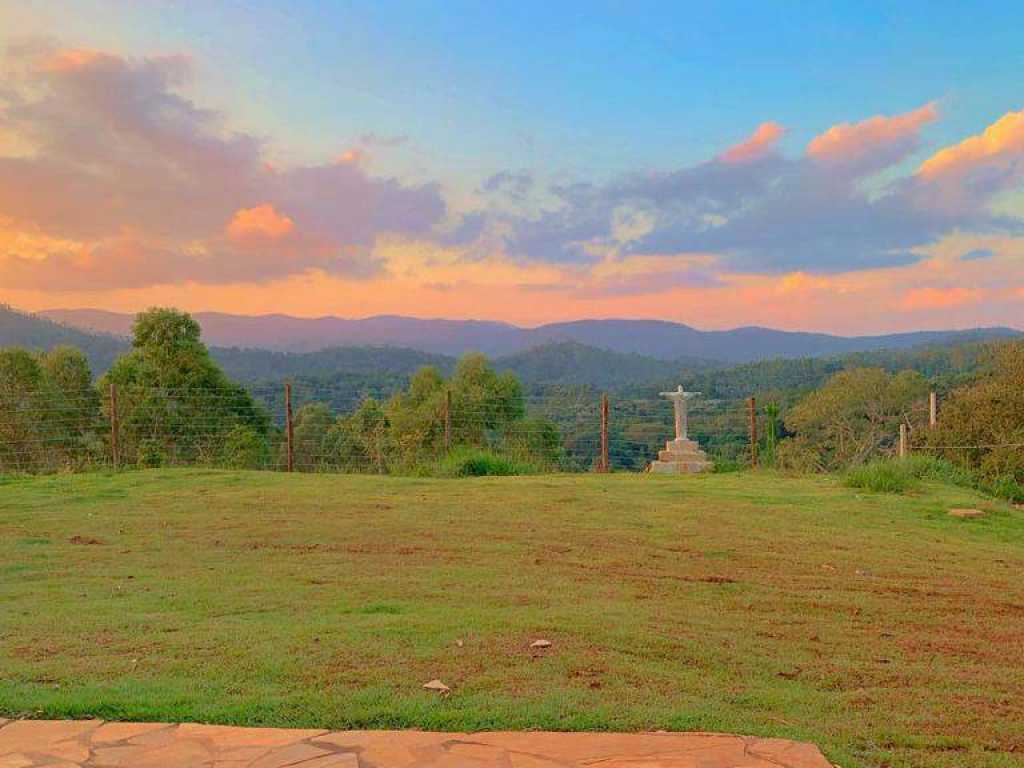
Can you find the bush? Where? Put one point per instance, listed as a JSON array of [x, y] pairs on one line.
[[245, 448], [881, 477], [901, 475], [477, 462], [1005, 487], [932, 468], [722, 465], [795, 456]]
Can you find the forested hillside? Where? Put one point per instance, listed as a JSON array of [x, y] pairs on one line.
[[33, 332]]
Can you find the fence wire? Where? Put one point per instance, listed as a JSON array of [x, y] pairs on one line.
[[557, 430]]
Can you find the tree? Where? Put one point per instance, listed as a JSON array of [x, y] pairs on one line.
[[175, 404], [416, 419], [853, 417], [981, 424], [312, 424], [483, 402], [73, 404], [24, 434]]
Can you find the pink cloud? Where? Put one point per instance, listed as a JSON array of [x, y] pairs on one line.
[[939, 298], [761, 142], [126, 180], [872, 143]]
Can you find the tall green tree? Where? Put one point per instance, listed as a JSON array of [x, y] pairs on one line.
[[24, 429], [73, 402], [175, 404], [483, 401]]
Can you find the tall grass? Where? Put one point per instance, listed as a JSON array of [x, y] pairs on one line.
[[478, 462], [903, 475]]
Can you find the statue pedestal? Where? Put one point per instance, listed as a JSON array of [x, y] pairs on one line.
[[681, 457]]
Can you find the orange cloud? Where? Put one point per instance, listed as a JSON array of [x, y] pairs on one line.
[[939, 298], [353, 156], [70, 60], [1001, 145], [263, 220], [850, 143], [758, 145]]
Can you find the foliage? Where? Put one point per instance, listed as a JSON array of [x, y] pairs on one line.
[[856, 416], [406, 435], [880, 476], [467, 461], [981, 424], [901, 475], [49, 411], [174, 403]]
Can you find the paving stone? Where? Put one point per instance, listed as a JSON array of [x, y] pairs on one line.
[[296, 753], [34, 744], [333, 761], [109, 733], [225, 736]]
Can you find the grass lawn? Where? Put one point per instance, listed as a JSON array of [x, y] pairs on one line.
[[874, 625]]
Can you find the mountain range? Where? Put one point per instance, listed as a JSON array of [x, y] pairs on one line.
[[657, 339]]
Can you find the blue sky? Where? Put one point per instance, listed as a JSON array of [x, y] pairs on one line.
[[583, 87]]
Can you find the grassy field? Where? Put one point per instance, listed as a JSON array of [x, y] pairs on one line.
[[874, 625]]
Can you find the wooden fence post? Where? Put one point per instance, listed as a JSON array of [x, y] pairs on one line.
[[752, 407], [288, 425], [933, 409], [605, 463], [903, 441], [115, 429], [379, 438], [447, 420]]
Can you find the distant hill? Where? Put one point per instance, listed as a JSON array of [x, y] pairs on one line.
[[652, 338], [572, 363], [21, 329], [261, 364]]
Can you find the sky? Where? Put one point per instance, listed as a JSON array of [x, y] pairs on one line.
[[843, 167]]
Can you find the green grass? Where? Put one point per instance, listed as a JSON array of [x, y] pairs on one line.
[[874, 625], [905, 475]]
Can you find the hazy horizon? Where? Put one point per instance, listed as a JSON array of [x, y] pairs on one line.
[[521, 326]]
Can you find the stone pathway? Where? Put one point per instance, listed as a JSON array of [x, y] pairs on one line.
[[96, 744]]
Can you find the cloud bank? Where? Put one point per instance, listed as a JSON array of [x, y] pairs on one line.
[[139, 185]]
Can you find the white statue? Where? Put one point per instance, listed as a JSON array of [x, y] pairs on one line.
[[678, 398]]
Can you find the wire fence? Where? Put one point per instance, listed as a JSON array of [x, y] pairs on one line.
[[292, 428]]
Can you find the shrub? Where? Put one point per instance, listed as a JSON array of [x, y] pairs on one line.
[[477, 462], [855, 417], [881, 477], [722, 465], [794, 455], [245, 448], [1005, 487]]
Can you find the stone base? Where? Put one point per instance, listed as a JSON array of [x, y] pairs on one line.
[[681, 457]]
